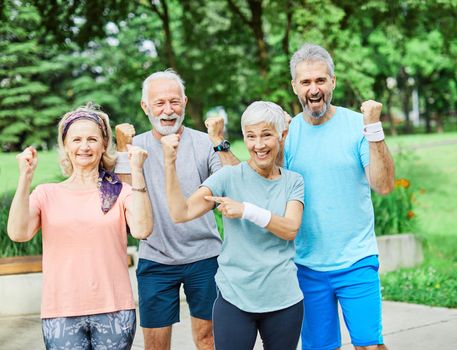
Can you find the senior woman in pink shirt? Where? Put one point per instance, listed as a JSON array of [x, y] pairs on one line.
[[87, 300]]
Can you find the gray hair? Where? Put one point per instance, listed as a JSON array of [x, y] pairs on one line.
[[169, 74], [108, 159], [311, 53], [264, 112]]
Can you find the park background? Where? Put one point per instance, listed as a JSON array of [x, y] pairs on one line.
[[58, 55]]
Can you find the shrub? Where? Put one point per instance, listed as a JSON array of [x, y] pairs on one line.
[[394, 213], [8, 247]]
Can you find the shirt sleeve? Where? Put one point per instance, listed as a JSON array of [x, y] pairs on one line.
[[364, 150], [216, 182], [125, 195], [37, 198], [297, 192], [214, 162]]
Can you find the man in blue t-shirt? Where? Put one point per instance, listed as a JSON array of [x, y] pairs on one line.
[[341, 155]]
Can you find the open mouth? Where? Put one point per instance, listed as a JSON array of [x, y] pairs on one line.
[[168, 122], [314, 100], [262, 155]]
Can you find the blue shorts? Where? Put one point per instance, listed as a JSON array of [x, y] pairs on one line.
[[158, 289], [357, 289]]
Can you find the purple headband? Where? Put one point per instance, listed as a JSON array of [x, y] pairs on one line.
[[83, 115]]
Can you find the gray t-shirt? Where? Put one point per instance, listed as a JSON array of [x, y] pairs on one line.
[[171, 243]]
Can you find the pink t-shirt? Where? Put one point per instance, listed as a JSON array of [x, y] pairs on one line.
[[85, 266]]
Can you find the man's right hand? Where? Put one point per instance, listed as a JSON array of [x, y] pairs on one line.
[[124, 136], [27, 161], [170, 146]]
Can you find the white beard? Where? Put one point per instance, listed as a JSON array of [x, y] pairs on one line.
[[165, 130]]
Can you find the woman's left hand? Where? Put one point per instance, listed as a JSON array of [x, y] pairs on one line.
[[228, 207], [137, 156]]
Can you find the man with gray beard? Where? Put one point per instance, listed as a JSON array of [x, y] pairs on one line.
[[341, 155], [176, 254]]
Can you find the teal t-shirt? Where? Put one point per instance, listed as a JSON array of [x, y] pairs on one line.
[[338, 221], [256, 268]]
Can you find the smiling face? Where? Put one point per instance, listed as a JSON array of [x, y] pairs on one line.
[[165, 106], [263, 144], [84, 144], [314, 88]]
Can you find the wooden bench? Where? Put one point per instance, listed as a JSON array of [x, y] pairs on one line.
[[28, 264]]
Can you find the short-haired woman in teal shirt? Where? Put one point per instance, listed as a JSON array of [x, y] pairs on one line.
[[262, 206]]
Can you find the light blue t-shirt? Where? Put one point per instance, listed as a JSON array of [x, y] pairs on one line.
[[256, 268], [338, 220]]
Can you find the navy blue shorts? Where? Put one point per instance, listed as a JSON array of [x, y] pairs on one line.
[[158, 289]]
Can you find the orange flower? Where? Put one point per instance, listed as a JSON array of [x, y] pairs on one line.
[[402, 183], [410, 214]]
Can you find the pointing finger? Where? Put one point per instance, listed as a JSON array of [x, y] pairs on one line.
[[215, 199]]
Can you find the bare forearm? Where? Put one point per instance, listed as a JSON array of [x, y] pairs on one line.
[[228, 158], [19, 215], [177, 204], [142, 220], [284, 228], [381, 168], [127, 178]]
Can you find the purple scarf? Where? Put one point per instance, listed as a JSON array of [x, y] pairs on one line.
[[109, 188]]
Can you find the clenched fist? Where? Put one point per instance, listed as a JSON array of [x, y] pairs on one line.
[[27, 162], [137, 156], [215, 126], [371, 111], [170, 146], [124, 136]]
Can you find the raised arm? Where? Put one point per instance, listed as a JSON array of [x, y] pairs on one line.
[[124, 137], [215, 126], [23, 221], [138, 210], [285, 227], [181, 209], [380, 171]]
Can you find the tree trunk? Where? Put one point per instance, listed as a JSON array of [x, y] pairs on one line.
[[194, 110], [390, 118]]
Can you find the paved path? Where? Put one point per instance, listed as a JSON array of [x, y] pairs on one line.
[[406, 326]]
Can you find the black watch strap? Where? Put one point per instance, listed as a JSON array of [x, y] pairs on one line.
[[224, 146]]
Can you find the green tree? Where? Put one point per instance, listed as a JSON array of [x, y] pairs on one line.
[[28, 74]]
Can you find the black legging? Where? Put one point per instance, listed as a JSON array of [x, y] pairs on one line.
[[235, 329]]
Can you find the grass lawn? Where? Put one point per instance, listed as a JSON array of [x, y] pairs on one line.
[[47, 170], [433, 172]]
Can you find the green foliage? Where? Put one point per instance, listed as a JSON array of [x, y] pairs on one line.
[[394, 213], [27, 78], [433, 283], [8, 247]]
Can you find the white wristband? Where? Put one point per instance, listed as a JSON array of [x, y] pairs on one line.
[[255, 214], [122, 163], [373, 132]]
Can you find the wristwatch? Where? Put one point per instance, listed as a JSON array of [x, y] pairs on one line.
[[224, 146]]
